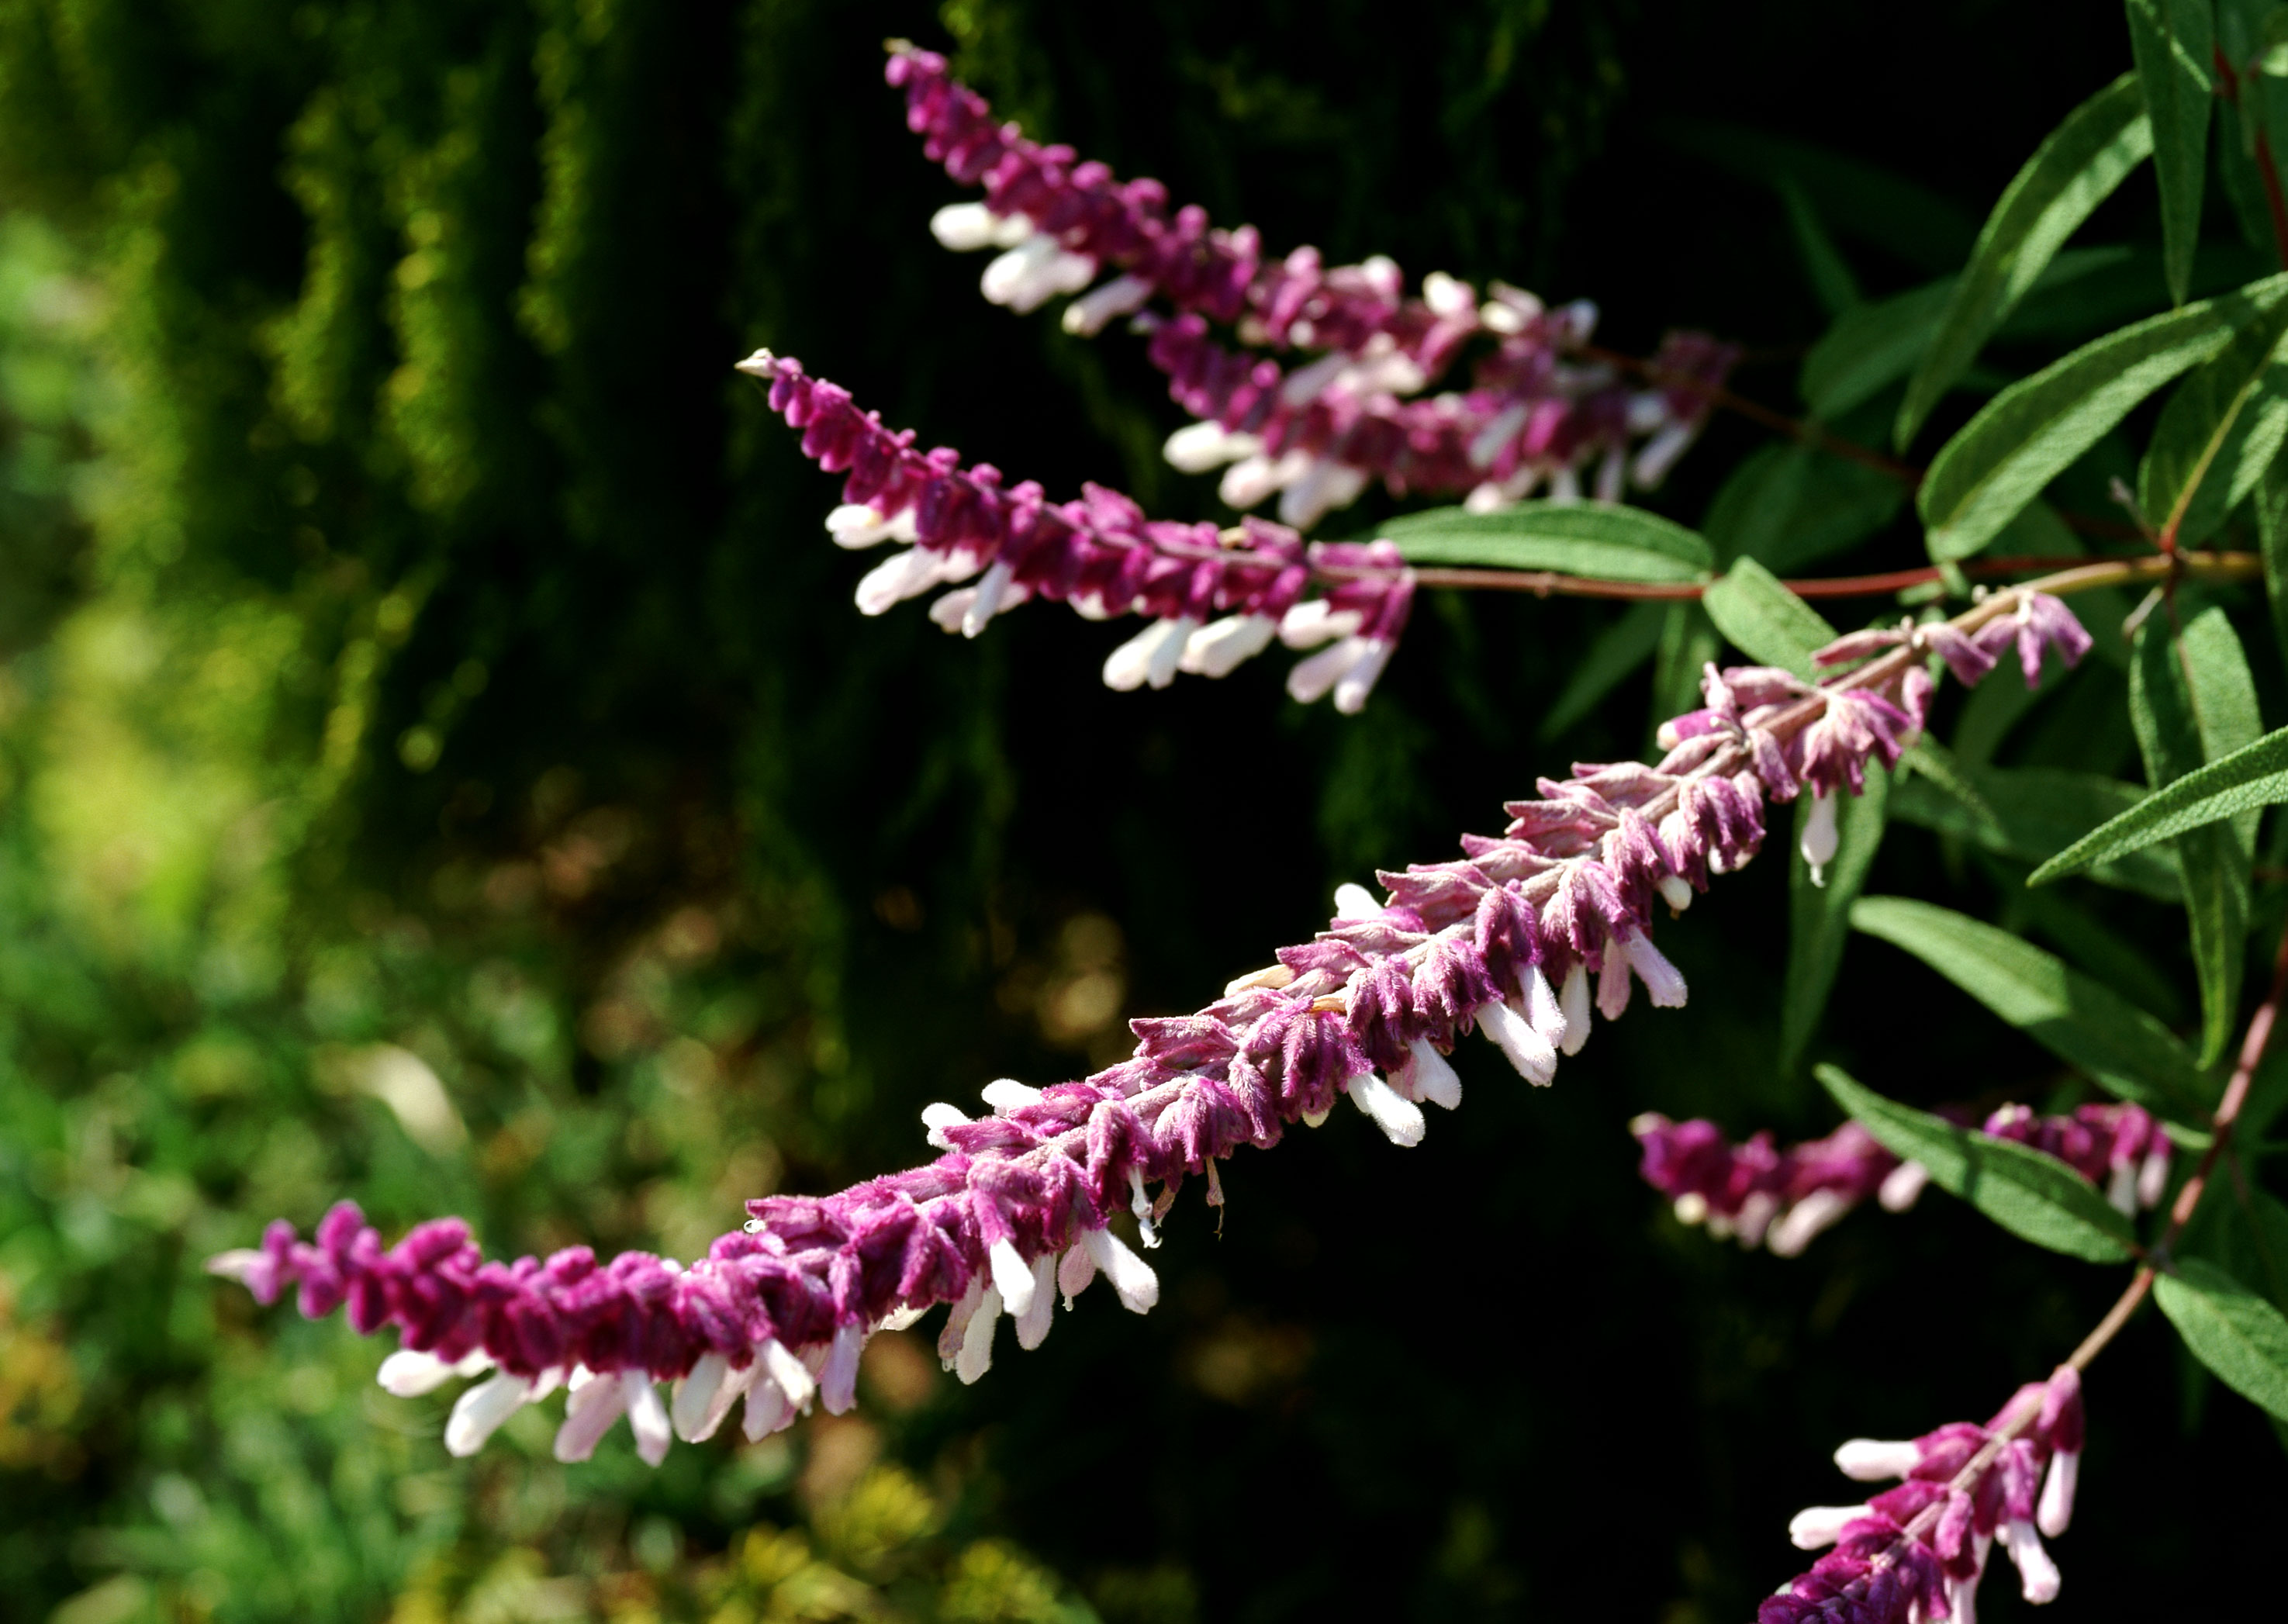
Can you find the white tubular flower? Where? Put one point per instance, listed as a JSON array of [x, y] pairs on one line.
[[1447, 297], [1122, 296], [1664, 983], [1352, 687], [2055, 1512], [992, 589], [408, 1374], [596, 1402], [837, 1383], [1198, 447], [857, 527], [1354, 901], [1565, 486], [1033, 1322], [1434, 1079], [1074, 1271], [647, 1416], [705, 1397], [1502, 428], [1676, 893], [909, 575], [1902, 1186], [1815, 1526], [1526, 1049], [791, 1376], [1131, 1276], [938, 1118], [1820, 835], [1036, 270], [1659, 454], [1149, 657], [1802, 1223], [955, 1328], [1306, 383], [1349, 667], [477, 1413], [1614, 983], [2037, 1575], [976, 1355], [1008, 1094], [1399, 1118], [1315, 622], [966, 227], [1612, 471], [1323, 486], [1253, 479], [1867, 1460], [1573, 1000], [1012, 1276], [1220, 647], [767, 1409]]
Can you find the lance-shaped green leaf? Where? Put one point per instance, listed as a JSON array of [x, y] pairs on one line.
[[2028, 814], [2073, 172], [2163, 708], [2271, 505], [2220, 431], [2033, 1196], [1869, 348], [2082, 1023], [2033, 431], [2174, 43], [1601, 541], [2230, 1329], [1819, 916], [1760, 617], [2224, 697], [2246, 780]]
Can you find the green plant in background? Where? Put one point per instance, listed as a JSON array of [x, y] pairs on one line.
[[430, 772]]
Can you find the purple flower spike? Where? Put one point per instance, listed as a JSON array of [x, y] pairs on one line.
[[1505, 940], [1540, 413], [1917, 1551], [1783, 1198]]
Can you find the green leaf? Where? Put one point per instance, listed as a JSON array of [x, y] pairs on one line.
[[2224, 697], [2271, 505], [2074, 1017], [1787, 505], [2231, 1330], [1866, 350], [2035, 1197], [2214, 866], [2247, 780], [1759, 616], [2174, 43], [1618, 650], [2071, 172], [2033, 431], [2028, 814], [1819, 916], [2219, 432], [1600, 541]]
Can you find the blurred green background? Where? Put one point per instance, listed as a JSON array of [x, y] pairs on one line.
[[439, 765]]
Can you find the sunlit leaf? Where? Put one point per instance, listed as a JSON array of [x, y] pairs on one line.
[[1760, 617], [2231, 1330], [2082, 1023], [2174, 43], [1600, 541], [2035, 1197], [2246, 780], [2070, 174]]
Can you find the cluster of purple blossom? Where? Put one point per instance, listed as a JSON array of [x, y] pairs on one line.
[[1917, 1552], [1509, 941], [1538, 412], [1215, 598], [1783, 1197]]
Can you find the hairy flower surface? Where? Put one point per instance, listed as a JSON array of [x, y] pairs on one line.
[[1917, 1552], [1517, 940], [1539, 413], [1782, 1198]]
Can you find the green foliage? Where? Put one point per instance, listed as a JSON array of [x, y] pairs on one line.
[[2124, 1048], [2231, 1330], [2174, 41], [1819, 916], [2036, 429], [1765, 620], [1601, 541], [2035, 1197], [2247, 781], [2061, 185]]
